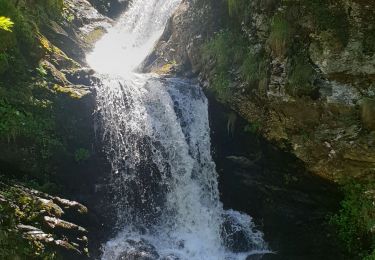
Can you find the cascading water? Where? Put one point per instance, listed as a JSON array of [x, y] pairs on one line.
[[158, 141]]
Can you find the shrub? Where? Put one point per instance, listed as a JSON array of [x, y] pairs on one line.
[[356, 219]]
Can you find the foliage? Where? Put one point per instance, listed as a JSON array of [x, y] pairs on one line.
[[229, 50], [280, 36], [356, 219], [38, 129], [27, 126], [254, 68], [220, 49], [6, 24]]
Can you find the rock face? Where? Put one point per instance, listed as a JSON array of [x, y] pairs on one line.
[[184, 35], [307, 94], [368, 113], [45, 221], [61, 150], [111, 8], [140, 250], [288, 203], [320, 121]]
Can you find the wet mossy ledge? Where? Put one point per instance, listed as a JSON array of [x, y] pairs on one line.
[[301, 73], [47, 138]]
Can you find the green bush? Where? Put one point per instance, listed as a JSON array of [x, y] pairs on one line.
[[356, 219]]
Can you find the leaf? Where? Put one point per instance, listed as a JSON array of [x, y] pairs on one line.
[[6, 23]]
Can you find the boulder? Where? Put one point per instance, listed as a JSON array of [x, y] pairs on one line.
[[139, 250]]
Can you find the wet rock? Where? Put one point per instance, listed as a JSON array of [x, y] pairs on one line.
[[241, 161], [110, 8], [235, 237], [69, 205], [81, 76], [139, 250], [368, 113]]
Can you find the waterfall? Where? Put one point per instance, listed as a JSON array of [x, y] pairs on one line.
[[157, 139]]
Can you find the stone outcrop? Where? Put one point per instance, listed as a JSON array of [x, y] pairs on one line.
[[75, 164], [45, 221]]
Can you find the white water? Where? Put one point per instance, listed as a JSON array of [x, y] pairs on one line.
[[158, 141]]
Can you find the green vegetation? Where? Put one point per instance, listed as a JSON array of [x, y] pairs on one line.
[[6, 24], [27, 126], [280, 36], [236, 7], [221, 49], [356, 220], [229, 50]]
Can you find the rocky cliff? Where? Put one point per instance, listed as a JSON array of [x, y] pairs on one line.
[[47, 131], [301, 75]]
